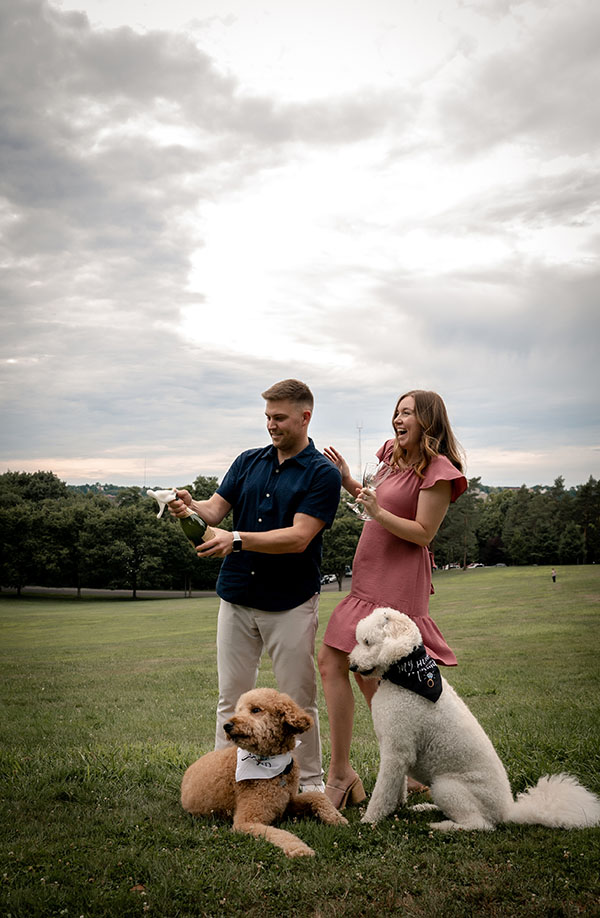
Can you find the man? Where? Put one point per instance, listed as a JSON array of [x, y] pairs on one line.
[[282, 496]]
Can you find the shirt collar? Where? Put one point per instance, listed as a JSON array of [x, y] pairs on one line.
[[302, 458]]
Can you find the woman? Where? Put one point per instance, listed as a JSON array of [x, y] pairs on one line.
[[392, 565]]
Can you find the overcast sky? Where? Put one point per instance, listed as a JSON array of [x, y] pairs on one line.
[[201, 197]]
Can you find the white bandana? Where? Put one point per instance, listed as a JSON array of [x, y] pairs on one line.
[[251, 766]]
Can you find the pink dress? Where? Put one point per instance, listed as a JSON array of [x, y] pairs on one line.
[[389, 571]]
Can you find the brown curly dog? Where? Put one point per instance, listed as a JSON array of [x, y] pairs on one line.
[[229, 781]]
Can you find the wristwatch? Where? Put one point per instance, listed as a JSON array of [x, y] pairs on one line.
[[237, 542]]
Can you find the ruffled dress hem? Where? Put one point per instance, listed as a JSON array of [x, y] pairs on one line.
[[353, 609]]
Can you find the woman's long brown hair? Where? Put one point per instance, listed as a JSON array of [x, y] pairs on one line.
[[437, 438]]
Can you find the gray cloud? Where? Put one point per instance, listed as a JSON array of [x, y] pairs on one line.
[[543, 91], [112, 142]]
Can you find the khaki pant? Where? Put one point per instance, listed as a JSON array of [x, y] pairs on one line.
[[289, 639]]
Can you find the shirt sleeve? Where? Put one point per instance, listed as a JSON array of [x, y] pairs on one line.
[[441, 469], [229, 487], [321, 500]]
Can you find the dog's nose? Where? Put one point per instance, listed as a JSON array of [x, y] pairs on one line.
[[353, 668], [228, 727]]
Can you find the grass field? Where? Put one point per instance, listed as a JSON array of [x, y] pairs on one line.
[[106, 702]]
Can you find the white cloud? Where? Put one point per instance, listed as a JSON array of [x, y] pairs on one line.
[[371, 197]]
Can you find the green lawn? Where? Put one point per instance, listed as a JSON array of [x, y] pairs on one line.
[[106, 702]]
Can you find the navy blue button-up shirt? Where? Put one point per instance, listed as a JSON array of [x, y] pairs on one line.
[[266, 495]]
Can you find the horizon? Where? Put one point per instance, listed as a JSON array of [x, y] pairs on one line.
[[161, 484]]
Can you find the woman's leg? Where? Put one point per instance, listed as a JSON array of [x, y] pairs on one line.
[[334, 668], [367, 686]]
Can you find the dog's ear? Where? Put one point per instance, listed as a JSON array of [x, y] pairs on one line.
[[295, 719], [392, 627], [398, 625]]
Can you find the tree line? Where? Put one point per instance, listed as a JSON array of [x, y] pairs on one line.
[[60, 536]]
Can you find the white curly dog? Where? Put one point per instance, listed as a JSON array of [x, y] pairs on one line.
[[424, 729]]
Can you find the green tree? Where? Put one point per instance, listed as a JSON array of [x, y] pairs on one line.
[[31, 486], [127, 546], [204, 487], [456, 540], [516, 532], [571, 546], [130, 497], [21, 528], [339, 544], [532, 526], [544, 527], [65, 552], [586, 513], [493, 512]]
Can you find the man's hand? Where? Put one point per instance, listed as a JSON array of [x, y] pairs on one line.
[[179, 507], [219, 547]]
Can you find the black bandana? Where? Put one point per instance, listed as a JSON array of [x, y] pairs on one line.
[[418, 673]]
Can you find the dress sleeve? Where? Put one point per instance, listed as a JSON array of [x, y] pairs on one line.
[[441, 469], [385, 452]]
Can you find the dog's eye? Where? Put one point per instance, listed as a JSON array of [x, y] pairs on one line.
[[366, 643], [255, 710]]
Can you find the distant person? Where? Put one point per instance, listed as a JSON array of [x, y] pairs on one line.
[[553, 576], [392, 564], [283, 496]]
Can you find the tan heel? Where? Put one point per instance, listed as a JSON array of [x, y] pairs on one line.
[[357, 792], [342, 797]]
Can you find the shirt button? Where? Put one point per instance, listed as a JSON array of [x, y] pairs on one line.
[[260, 519], [252, 572], [267, 495]]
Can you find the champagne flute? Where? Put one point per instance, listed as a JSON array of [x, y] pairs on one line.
[[373, 475]]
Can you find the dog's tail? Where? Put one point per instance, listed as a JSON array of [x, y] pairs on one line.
[[559, 802]]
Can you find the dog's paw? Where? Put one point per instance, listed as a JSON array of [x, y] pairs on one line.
[[446, 825], [371, 818], [335, 819], [299, 850]]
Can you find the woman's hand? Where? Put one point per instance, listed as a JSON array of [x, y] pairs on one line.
[[368, 499], [343, 468], [338, 460]]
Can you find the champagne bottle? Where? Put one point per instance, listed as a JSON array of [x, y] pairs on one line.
[[193, 525], [195, 528]]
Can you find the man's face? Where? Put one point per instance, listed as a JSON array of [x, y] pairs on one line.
[[287, 424]]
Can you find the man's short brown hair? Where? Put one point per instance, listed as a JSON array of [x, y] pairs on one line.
[[291, 389]]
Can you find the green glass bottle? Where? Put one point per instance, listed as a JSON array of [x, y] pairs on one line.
[[195, 528], [193, 525]]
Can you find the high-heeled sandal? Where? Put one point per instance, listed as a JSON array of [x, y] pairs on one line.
[[341, 797], [415, 787]]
